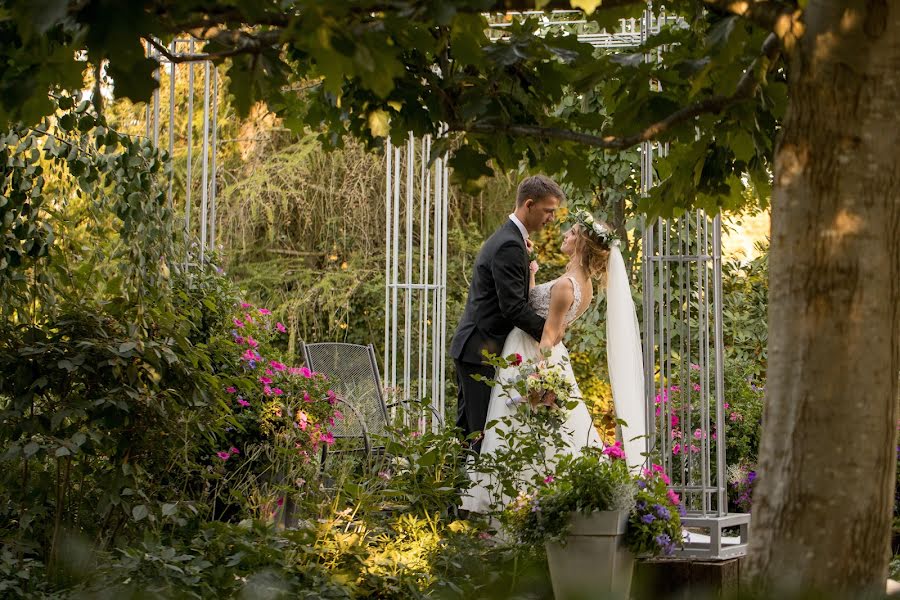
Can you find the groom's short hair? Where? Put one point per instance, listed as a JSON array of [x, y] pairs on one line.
[[538, 187]]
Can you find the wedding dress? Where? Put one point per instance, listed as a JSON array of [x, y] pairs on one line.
[[578, 430]]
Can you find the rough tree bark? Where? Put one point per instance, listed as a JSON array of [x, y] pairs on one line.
[[823, 505]]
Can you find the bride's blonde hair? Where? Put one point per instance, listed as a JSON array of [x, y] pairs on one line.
[[594, 253]]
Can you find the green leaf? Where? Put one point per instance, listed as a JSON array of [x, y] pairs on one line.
[[139, 512]]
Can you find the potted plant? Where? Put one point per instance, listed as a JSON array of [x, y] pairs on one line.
[[593, 518]]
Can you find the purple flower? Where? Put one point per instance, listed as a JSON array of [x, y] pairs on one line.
[[662, 512], [640, 505], [648, 518], [641, 484]]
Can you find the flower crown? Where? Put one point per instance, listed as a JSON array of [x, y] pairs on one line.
[[599, 231]]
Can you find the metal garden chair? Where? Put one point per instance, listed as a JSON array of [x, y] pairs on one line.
[[354, 371]]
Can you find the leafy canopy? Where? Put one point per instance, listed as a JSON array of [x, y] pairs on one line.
[[370, 69]]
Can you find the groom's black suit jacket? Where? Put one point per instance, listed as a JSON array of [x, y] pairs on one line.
[[498, 298]]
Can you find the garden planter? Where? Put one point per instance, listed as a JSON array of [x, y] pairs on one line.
[[594, 562]]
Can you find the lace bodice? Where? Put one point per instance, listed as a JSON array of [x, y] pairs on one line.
[[539, 299]]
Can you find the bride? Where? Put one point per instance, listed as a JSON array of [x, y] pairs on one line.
[[593, 255]]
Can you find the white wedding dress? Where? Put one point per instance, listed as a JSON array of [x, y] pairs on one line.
[[578, 430]]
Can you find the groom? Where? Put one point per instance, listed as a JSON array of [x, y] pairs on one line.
[[498, 299]]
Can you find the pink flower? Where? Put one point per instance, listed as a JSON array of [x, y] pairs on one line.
[[234, 450], [675, 388], [676, 449], [696, 387], [267, 390], [280, 502], [673, 497], [675, 420], [276, 365], [698, 434], [249, 354], [231, 389], [251, 342], [414, 434], [265, 380], [302, 420], [238, 323], [238, 340], [306, 372], [549, 479], [277, 391], [265, 311], [695, 367], [327, 438], [615, 451], [727, 406], [332, 397], [735, 416], [248, 318], [694, 449], [306, 397], [280, 327], [223, 455], [338, 414], [245, 305], [293, 370], [658, 468], [243, 402]]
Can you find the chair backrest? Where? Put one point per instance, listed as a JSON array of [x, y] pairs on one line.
[[356, 380]]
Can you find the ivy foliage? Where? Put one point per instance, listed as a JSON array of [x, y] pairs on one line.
[[372, 70]]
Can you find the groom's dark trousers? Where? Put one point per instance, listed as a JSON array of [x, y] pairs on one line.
[[497, 302]]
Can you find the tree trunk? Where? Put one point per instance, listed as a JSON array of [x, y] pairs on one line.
[[823, 503]]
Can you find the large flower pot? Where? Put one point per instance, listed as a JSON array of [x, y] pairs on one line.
[[594, 562]]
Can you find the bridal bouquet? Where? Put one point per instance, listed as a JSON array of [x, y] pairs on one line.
[[546, 386]]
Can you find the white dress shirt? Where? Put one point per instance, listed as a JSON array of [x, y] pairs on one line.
[[519, 225]]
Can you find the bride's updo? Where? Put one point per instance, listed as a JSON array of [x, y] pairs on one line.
[[592, 244], [594, 253]]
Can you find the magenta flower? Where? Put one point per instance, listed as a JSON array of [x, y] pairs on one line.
[[267, 390], [249, 354], [698, 434], [277, 365], [306, 397], [615, 451], [231, 389], [223, 455], [280, 328], [280, 502], [238, 322], [265, 311], [549, 479], [306, 372], [238, 340], [696, 387], [332, 397], [234, 450], [245, 305], [265, 380], [695, 367], [338, 414], [251, 342], [293, 370], [243, 402], [676, 449], [673, 497], [277, 391], [327, 438]]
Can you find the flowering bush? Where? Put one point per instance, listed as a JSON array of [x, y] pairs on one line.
[[654, 526], [271, 399], [741, 478], [593, 483]]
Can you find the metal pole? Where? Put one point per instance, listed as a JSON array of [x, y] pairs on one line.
[[720, 360], [212, 180], [443, 324], [170, 196], [395, 273], [388, 192], [190, 148], [204, 179], [407, 302]]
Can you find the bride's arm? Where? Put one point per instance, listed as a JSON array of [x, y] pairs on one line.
[[562, 295]]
